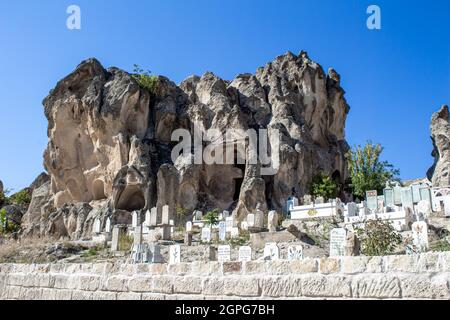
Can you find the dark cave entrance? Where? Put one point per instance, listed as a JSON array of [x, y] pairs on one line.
[[132, 198]]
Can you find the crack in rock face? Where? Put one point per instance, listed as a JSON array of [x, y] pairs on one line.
[[110, 140]]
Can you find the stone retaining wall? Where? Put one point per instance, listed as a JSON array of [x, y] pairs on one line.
[[390, 277]]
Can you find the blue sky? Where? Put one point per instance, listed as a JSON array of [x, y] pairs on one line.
[[395, 78]]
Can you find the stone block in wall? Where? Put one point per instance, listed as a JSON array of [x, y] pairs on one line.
[[153, 296], [329, 265], [402, 263], [318, 285], [128, 296], [163, 284], [428, 262], [213, 286], [255, 267], [116, 283], [232, 267], [354, 265], [375, 265], [278, 267], [376, 286], [104, 295], [212, 268], [187, 284], [425, 286], [241, 286], [307, 265], [280, 286], [179, 269], [141, 283]]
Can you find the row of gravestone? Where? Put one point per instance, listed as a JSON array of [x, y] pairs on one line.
[[245, 253]]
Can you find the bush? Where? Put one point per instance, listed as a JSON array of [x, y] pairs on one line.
[[145, 79], [324, 186], [21, 198], [378, 238], [7, 225], [212, 217]]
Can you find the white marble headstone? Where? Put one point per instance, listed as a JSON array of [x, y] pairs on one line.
[[420, 235], [447, 205], [175, 254], [271, 251], [222, 231], [338, 240], [188, 226], [245, 253], [295, 253], [97, 226], [134, 219], [224, 253], [154, 217], [251, 220], [206, 234], [234, 232], [165, 215], [108, 225]]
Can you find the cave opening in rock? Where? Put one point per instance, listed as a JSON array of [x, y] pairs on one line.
[[132, 198], [98, 190]]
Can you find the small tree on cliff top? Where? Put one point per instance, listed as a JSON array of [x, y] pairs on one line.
[[367, 172]]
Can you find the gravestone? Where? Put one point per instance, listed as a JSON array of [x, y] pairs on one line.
[[222, 231], [137, 234], [116, 232], [338, 240], [372, 200], [244, 225], [407, 199], [174, 254], [156, 256], [234, 232], [352, 209], [224, 253], [272, 221], [225, 214], [420, 235], [415, 189], [251, 220], [108, 225], [189, 226], [165, 215], [295, 253], [389, 197], [319, 200], [397, 195], [245, 253], [380, 204], [425, 194], [271, 251], [423, 210], [154, 217], [198, 215], [229, 223], [307, 200], [97, 226], [447, 205], [134, 219], [206, 234], [259, 219]]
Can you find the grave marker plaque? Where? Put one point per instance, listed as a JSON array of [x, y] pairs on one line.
[[295, 253], [245, 253], [420, 235], [389, 197], [407, 198], [222, 231], [338, 240], [397, 195], [372, 200], [271, 251], [206, 234], [174, 254], [224, 253]]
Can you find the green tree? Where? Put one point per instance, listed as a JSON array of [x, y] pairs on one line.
[[367, 171], [145, 79], [6, 225], [324, 186], [212, 217], [378, 238]]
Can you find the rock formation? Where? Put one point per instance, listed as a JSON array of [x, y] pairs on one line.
[[439, 173], [110, 141]]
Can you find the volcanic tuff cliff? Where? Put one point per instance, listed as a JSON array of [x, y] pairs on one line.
[[110, 142], [439, 173]]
